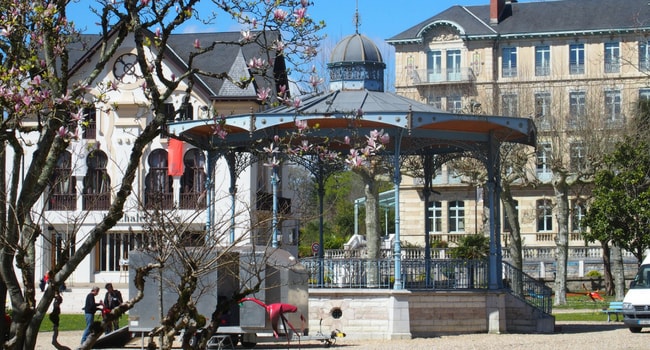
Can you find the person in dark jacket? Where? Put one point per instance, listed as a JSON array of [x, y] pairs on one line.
[[90, 307], [112, 299]]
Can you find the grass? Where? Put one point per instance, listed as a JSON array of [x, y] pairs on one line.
[[72, 322]]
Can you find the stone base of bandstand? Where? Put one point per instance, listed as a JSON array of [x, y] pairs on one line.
[[403, 314]]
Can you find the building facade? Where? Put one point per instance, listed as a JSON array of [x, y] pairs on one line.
[[577, 67], [172, 175]]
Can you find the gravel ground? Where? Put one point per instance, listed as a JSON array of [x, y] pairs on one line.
[[569, 335]]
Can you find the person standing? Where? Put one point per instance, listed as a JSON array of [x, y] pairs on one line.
[[112, 299], [89, 310]]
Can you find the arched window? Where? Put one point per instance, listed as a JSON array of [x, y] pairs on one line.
[[63, 193], [193, 181], [97, 183], [158, 184], [457, 216]]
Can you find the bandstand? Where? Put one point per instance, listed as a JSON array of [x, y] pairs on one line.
[[355, 106]]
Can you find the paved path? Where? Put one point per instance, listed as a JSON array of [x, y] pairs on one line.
[[569, 335]]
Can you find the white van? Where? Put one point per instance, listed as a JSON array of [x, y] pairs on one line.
[[636, 304]]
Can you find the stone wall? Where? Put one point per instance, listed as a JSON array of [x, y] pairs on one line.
[[391, 314]]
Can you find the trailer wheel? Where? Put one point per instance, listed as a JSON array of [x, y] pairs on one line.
[[635, 329]]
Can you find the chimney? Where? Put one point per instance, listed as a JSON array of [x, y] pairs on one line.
[[496, 9]]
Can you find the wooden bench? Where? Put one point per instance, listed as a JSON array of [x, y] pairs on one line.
[[615, 307]]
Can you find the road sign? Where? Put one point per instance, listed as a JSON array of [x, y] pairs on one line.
[[315, 247]]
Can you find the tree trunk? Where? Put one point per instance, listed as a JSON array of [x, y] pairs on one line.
[[515, 248], [372, 229], [618, 271], [561, 188], [607, 268]]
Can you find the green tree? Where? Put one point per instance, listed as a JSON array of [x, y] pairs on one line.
[[620, 207]]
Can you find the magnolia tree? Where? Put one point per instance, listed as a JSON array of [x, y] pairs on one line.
[[39, 96]]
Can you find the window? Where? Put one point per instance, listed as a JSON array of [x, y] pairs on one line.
[[456, 216], [578, 213], [509, 105], [577, 160], [193, 181], [453, 65], [97, 183], [435, 101], [612, 57], [577, 58], [454, 104], [158, 184], [542, 60], [543, 110], [576, 107], [434, 66], [644, 56], [544, 215], [612, 105], [509, 62], [63, 193], [506, 222], [114, 248], [544, 161], [89, 123], [435, 215], [643, 106]]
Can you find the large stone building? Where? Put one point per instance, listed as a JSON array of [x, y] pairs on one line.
[[577, 67]]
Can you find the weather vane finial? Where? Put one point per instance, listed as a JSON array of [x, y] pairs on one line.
[[357, 19]]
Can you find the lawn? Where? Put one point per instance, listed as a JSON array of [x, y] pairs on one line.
[[72, 322]]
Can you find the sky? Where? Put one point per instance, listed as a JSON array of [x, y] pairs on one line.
[[380, 20]]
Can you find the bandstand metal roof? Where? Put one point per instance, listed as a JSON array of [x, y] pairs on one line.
[[338, 114]]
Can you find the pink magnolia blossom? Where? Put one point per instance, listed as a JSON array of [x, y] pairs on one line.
[[279, 45], [301, 125], [264, 94], [62, 132], [246, 35], [158, 32], [145, 2], [304, 3], [346, 139], [77, 116], [315, 81], [256, 63], [283, 90], [271, 149], [37, 80], [272, 163], [279, 15], [296, 102], [300, 15]]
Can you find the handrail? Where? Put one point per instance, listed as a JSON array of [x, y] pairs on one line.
[[527, 288]]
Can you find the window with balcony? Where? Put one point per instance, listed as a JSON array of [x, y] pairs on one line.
[[63, 193], [509, 62], [435, 101], [577, 214], [544, 161], [612, 57], [577, 161], [577, 58], [89, 124], [644, 56], [435, 216], [193, 190], [544, 215], [509, 105], [434, 66], [457, 216], [454, 104], [542, 60], [543, 110], [577, 100], [97, 183], [613, 106], [453, 65], [158, 192]]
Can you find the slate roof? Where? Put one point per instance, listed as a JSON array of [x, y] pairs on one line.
[[227, 56], [539, 19]]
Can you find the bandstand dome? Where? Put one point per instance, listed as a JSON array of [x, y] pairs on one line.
[[356, 48]]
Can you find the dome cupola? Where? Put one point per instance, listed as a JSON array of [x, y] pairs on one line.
[[356, 64]]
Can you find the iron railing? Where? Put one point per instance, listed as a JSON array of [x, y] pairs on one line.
[[528, 288], [380, 273]]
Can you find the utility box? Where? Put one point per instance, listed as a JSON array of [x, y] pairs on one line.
[[283, 280]]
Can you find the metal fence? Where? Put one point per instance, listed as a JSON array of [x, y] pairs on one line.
[[528, 288]]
